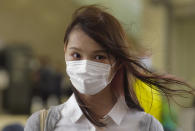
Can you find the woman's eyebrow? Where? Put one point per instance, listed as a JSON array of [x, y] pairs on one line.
[[74, 48], [99, 51], [95, 51]]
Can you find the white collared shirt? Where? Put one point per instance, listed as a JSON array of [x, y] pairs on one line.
[[120, 118]]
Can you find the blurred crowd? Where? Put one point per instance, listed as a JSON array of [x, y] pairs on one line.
[[29, 83]]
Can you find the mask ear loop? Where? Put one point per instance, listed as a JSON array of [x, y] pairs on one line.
[[113, 74], [112, 67]]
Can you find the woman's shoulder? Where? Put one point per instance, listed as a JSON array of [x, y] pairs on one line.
[[143, 120], [33, 122], [149, 123]]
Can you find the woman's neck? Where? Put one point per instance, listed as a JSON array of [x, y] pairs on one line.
[[100, 104]]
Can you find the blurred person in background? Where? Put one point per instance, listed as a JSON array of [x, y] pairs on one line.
[[46, 85], [103, 70], [4, 76]]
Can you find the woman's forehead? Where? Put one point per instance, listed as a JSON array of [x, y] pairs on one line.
[[81, 40]]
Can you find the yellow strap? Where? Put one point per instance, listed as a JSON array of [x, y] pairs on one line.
[[43, 116]]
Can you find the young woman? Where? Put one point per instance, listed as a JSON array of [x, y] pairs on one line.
[[102, 69]]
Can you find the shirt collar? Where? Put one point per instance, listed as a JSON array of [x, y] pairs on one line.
[[118, 111], [73, 109]]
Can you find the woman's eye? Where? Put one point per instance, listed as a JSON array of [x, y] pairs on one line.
[[76, 55], [100, 57]]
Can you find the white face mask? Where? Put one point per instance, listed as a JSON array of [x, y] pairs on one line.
[[88, 77]]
